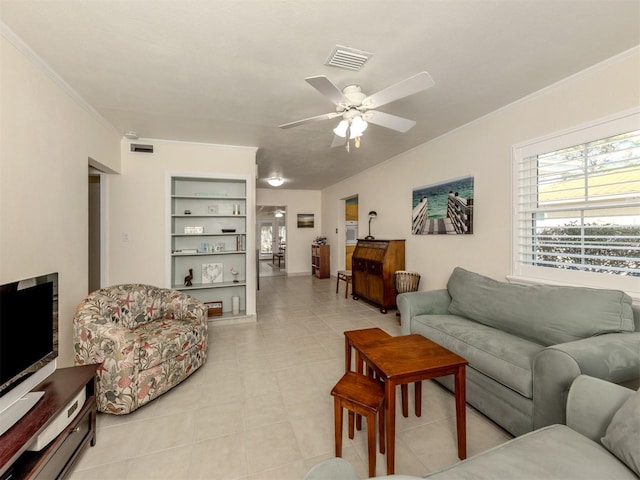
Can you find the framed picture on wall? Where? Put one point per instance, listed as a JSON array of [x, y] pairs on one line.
[[305, 220], [444, 208]]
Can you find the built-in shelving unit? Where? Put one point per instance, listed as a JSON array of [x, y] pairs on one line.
[[209, 237]]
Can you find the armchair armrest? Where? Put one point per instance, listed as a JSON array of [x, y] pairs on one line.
[[412, 304], [614, 357], [591, 405], [97, 339], [180, 306]]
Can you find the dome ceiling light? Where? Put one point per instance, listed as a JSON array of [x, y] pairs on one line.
[[275, 181]]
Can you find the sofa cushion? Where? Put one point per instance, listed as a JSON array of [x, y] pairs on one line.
[[506, 358], [135, 304], [622, 437], [559, 452], [545, 314], [163, 340]]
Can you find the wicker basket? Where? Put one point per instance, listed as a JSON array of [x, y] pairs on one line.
[[405, 281], [214, 309]]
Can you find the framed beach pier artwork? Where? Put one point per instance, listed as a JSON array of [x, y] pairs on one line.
[[443, 208]]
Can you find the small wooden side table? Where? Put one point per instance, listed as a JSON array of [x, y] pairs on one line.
[[413, 358], [360, 395]]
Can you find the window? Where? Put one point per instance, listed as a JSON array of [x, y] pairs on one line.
[[577, 206], [266, 239]]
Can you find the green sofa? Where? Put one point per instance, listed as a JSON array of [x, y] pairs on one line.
[[526, 344], [595, 410]]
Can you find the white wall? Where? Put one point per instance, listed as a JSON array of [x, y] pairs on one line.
[[138, 206], [46, 140], [298, 239], [481, 149]]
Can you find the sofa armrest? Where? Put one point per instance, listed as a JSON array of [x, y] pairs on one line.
[[614, 357], [591, 405], [432, 302]]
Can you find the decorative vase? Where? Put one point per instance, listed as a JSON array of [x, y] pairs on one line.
[[235, 305]]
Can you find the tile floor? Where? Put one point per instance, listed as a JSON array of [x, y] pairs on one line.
[[260, 408], [268, 269]]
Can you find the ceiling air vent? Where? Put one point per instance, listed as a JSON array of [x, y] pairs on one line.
[[138, 147], [347, 57]]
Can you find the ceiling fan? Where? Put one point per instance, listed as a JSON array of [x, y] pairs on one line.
[[357, 109]]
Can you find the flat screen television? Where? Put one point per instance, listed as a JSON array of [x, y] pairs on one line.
[[28, 343]]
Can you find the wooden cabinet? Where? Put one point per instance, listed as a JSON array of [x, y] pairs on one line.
[[320, 261], [57, 458], [209, 237], [351, 210], [373, 264]]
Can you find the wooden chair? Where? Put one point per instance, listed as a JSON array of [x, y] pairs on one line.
[[346, 276]]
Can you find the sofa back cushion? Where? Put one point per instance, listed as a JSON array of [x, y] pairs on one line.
[[545, 314], [135, 304]]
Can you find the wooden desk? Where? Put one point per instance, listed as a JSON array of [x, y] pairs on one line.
[[413, 358]]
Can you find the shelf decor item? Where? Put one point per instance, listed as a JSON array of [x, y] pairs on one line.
[[235, 305], [212, 273], [193, 230], [188, 278], [212, 209], [234, 272], [214, 309]]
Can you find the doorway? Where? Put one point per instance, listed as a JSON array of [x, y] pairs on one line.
[[351, 228], [95, 231], [271, 236]]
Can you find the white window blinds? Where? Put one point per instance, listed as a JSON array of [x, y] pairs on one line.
[[578, 208]]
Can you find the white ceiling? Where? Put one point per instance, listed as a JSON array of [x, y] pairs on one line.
[[229, 72]]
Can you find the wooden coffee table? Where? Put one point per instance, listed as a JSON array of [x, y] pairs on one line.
[[413, 358]]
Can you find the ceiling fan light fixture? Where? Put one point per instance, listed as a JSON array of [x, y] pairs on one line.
[[356, 129], [358, 126], [341, 129], [275, 181]]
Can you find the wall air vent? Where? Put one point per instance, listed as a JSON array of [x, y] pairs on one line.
[[347, 57], [138, 147]]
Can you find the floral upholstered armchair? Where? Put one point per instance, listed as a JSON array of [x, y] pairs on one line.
[[148, 340]]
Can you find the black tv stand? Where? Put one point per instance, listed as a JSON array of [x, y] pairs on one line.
[[56, 459]]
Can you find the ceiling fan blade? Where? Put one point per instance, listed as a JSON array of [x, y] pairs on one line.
[[338, 141], [328, 89], [317, 118], [402, 89], [389, 121]]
